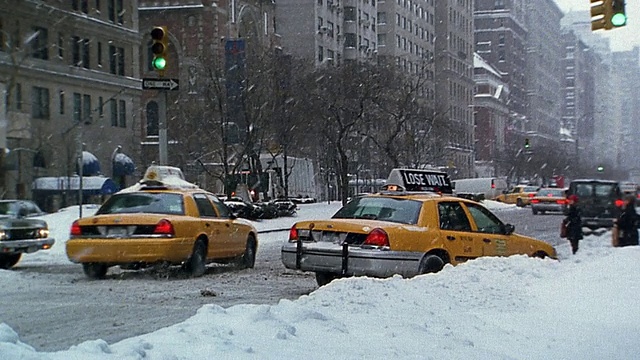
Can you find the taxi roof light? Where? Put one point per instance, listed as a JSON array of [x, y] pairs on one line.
[[377, 237], [164, 227]]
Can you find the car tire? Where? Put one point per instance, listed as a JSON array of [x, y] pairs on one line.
[[196, 265], [248, 259], [430, 264], [95, 270], [323, 278], [534, 211], [519, 203], [7, 261]]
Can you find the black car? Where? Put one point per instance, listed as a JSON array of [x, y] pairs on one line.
[[20, 232], [600, 201]]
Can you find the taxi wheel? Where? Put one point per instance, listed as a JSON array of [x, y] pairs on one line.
[[534, 211], [519, 203], [431, 264], [323, 278], [197, 261], [248, 259], [95, 270], [7, 261]]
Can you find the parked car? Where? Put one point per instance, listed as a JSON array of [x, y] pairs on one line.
[[520, 195], [20, 233], [161, 220], [549, 199], [414, 227], [479, 188], [600, 201]]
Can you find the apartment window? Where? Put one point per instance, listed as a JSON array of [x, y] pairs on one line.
[[116, 11], [100, 107], [40, 43], [18, 96], [85, 6], [320, 53], [349, 13], [61, 102], [350, 40], [60, 45], [74, 4], [123, 114], [2, 36], [382, 39], [116, 60], [330, 28], [77, 107], [99, 59], [501, 40], [320, 23], [382, 18], [114, 112], [86, 108], [330, 55], [319, 2], [86, 54], [152, 119], [39, 103]]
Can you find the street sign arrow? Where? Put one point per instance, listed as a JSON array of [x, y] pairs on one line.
[[160, 84]]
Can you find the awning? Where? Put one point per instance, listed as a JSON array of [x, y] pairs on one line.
[[90, 164], [91, 185], [123, 165]]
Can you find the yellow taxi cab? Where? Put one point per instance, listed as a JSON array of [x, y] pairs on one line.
[[414, 227], [520, 195], [549, 199], [162, 219]]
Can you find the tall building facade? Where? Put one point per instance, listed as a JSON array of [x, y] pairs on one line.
[[544, 72], [625, 72], [454, 78], [329, 31], [406, 36], [500, 39], [71, 74]]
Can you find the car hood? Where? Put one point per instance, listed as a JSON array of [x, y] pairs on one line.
[[12, 223]]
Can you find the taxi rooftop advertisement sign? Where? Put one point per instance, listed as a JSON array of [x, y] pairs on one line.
[[421, 180]]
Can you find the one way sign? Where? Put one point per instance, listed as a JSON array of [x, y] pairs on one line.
[[160, 84]]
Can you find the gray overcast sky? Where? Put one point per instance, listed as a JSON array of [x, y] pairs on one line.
[[623, 38]]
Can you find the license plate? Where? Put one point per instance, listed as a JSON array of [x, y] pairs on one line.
[[117, 231], [331, 237]]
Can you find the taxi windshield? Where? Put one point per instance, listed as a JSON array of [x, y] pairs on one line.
[[153, 203], [7, 208], [402, 211]]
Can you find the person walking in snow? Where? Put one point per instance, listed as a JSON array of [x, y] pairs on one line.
[[627, 223], [573, 222]]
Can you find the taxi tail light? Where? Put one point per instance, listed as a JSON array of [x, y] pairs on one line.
[[561, 202], [532, 195], [619, 203], [164, 227], [535, 201], [377, 237], [75, 229], [293, 234]]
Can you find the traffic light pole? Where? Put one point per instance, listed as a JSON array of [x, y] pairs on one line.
[[162, 133]]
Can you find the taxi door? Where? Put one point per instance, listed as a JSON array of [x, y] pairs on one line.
[[237, 239], [217, 230], [455, 230], [490, 232]]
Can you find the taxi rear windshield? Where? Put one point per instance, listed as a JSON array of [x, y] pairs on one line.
[[402, 211], [150, 203]]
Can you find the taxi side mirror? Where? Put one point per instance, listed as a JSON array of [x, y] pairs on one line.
[[509, 229]]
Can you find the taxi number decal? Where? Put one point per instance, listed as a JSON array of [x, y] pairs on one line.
[[501, 246]]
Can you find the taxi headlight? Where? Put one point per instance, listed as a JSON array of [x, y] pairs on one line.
[[42, 233]]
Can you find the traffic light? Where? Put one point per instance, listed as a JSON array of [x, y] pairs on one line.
[[618, 14], [159, 35], [601, 11], [527, 145]]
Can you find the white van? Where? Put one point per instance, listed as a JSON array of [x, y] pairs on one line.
[[490, 187]]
